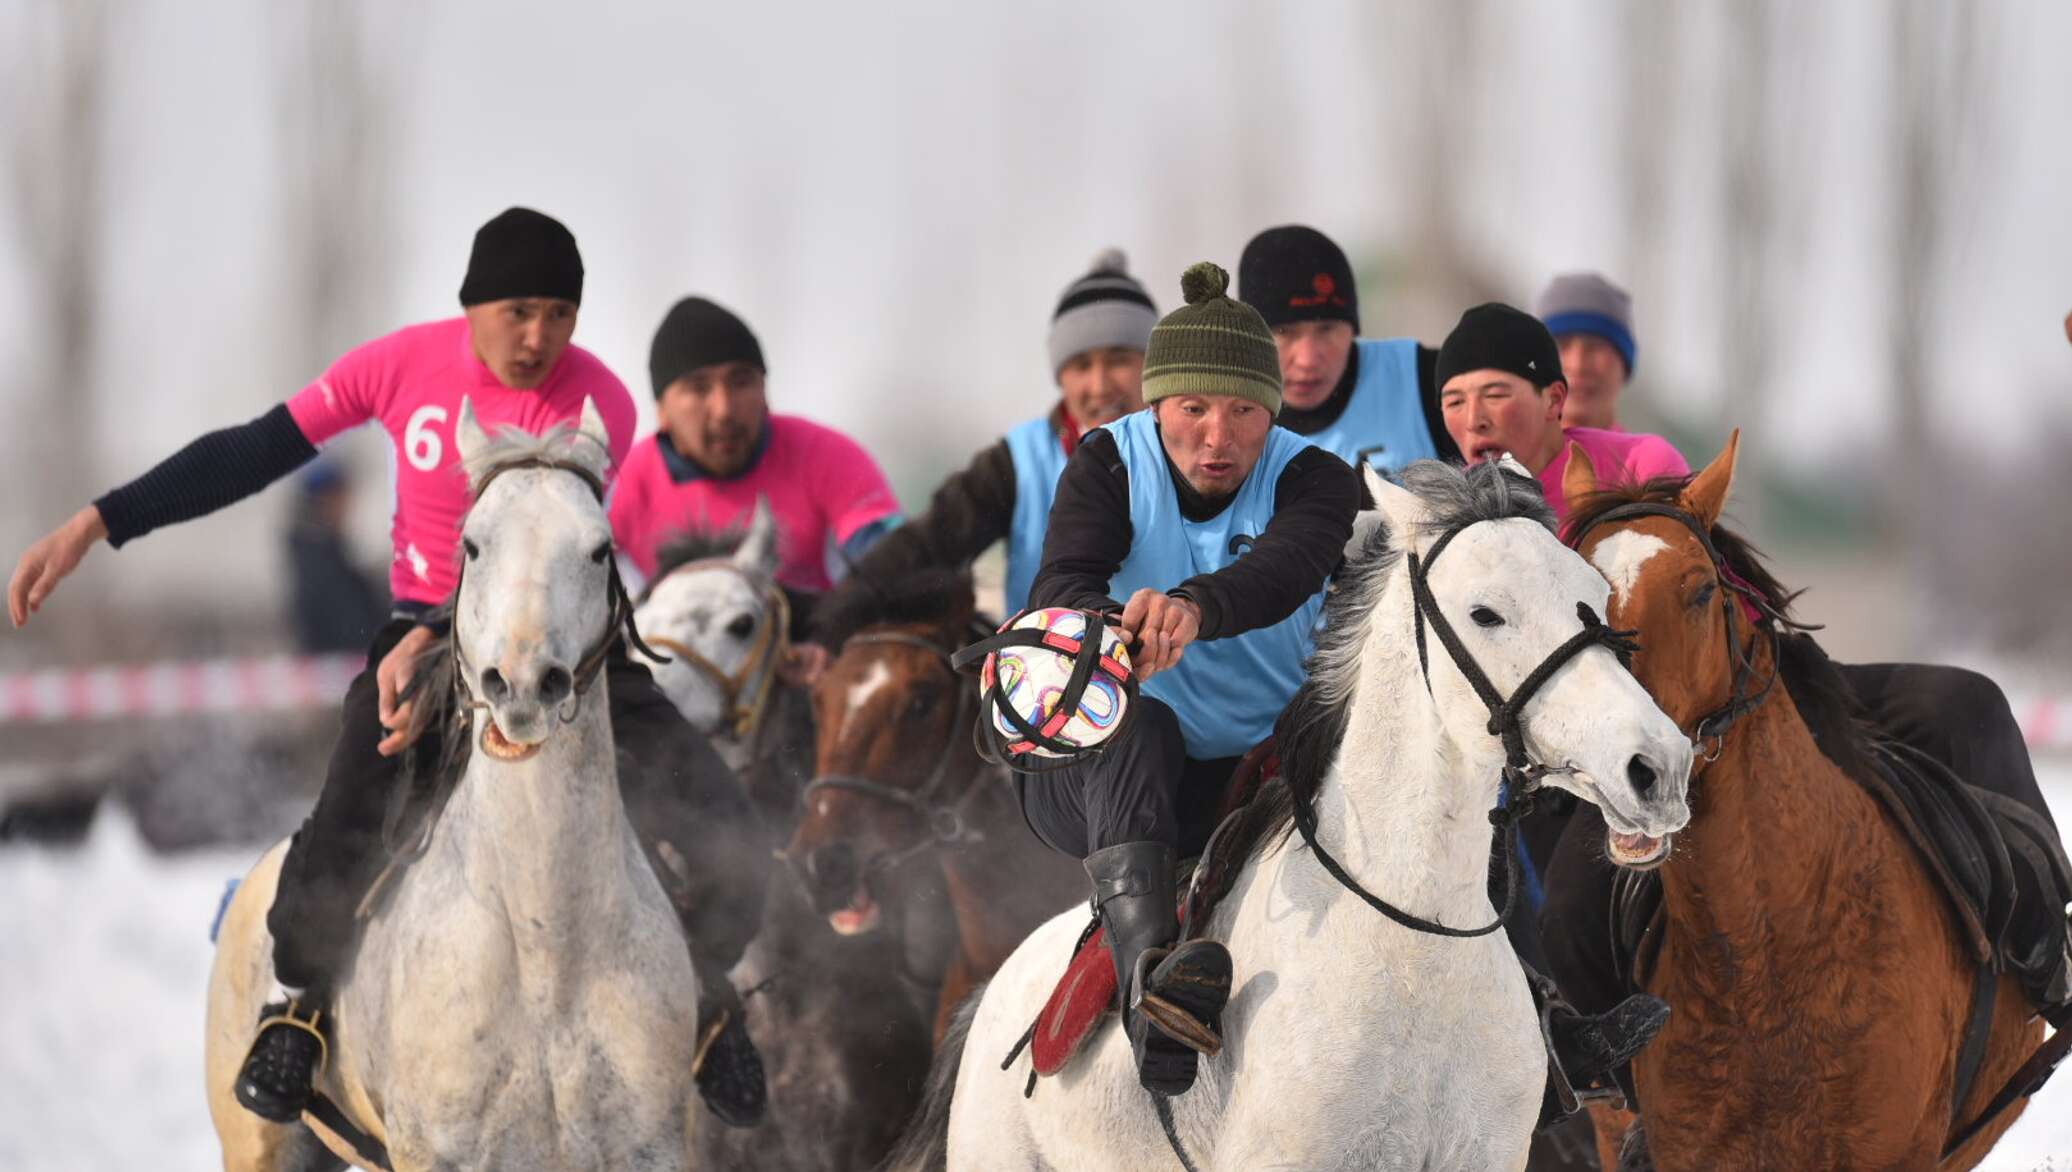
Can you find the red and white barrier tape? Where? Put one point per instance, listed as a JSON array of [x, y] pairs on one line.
[[281, 682], [176, 688]]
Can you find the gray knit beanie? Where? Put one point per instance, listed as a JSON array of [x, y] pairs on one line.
[[1586, 303], [1106, 307]]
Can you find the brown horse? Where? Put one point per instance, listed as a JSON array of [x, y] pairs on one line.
[[1818, 977], [899, 785]]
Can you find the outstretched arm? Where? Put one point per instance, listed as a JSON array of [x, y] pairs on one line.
[[973, 509], [217, 469], [1089, 531]]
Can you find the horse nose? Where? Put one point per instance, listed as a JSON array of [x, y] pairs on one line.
[[495, 688], [1642, 774], [555, 685], [833, 867]]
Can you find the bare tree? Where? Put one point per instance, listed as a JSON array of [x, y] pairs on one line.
[[55, 140], [1648, 82]]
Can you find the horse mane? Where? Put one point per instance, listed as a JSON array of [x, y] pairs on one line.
[[939, 596], [511, 447], [693, 545], [1312, 727], [1824, 699]]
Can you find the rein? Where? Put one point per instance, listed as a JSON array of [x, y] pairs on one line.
[[742, 718], [945, 822], [1522, 775]]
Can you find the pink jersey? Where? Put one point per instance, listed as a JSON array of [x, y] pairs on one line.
[[822, 487], [1620, 457], [413, 381]]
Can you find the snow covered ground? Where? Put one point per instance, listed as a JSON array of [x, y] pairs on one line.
[[104, 956]]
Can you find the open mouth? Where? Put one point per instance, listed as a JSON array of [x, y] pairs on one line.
[[1637, 852], [1477, 453], [496, 745], [861, 916]]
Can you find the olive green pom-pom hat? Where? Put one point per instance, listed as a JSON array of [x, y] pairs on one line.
[[1213, 345]]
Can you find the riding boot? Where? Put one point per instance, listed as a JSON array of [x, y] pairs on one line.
[[280, 1070], [726, 1067], [1172, 997], [1586, 1053]]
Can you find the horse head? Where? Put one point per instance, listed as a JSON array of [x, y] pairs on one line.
[[536, 607], [716, 611], [1524, 676], [894, 755]]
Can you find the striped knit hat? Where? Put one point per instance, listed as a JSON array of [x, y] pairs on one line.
[[1213, 345], [1106, 307]]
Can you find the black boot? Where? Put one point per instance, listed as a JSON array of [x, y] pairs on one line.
[[1172, 998], [727, 1069], [1585, 1053], [280, 1070]]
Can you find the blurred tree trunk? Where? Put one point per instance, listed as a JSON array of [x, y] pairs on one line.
[[1648, 92]]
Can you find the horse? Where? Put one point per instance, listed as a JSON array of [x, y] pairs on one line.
[[845, 1047], [524, 998], [903, 813], [1353, 1039], [1818, 983]]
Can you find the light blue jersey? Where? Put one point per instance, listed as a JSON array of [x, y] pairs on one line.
[[1039, 459], [1384, 422]]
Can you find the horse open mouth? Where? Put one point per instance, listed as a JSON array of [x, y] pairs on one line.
[[1635, 851], [496, 745], [861, 916]]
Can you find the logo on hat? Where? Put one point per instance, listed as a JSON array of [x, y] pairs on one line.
[[1326, 290]]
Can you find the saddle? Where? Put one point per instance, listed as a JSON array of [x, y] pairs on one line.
[[1086, 995], [1999, 865]]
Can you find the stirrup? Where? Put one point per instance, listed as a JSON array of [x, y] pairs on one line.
[[711, 1034], [312, 1027], [1166, 1016]]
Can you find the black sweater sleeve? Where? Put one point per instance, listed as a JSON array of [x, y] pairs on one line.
[[218, 469], [973, 509], [1313, 506], [1428, 392], [1089, 531]]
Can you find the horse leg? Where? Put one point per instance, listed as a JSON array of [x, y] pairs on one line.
[[1611, 1125]]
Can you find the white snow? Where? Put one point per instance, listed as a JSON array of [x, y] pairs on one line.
[[104, 956]]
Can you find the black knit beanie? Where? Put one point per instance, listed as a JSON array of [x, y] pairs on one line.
[[696, 333], [1295, 273], [1494, 336], [523, 253]]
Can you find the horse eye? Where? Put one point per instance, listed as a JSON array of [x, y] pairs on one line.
[[1485, 617], [603, 551], [742, 627], [1705, 594], [469, 547]]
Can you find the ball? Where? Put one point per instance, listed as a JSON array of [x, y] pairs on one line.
[[1032, 680]]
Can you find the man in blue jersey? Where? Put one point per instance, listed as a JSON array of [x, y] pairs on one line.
[[1097, 337], [1211, 532], [1360, 398]]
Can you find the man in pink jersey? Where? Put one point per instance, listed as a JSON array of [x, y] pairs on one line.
[[509, 355], [1501, 389], [720, 448]]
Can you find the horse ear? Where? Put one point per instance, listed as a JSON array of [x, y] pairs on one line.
[[1579, 479], [1398, 507], [1706, 497], [469, 440], [758, 551], [597, 454]]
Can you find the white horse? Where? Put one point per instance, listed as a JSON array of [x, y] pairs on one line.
[[1351, 1041], [525, 999]]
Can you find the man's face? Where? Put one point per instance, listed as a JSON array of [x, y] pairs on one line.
[[1101, 386], [521, 338], [1214, 440], [1490, 412], [1596, 374], [714, 414], [1313, 358]]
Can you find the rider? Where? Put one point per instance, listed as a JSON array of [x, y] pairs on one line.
[[1097, 337], [1360, 398], [1592, 322], [1215, 530], [509, 355], [720, 448]]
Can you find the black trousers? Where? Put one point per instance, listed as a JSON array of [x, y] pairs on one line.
[[677, 792], [1958, 717], [1142, 788]]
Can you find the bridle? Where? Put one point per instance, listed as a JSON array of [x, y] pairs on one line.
[[747, 690], [943, 818], [1522, 774], [1743, 696], [618, 622]]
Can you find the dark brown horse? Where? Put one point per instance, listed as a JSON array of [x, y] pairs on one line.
[[1819, 980], [899, 785]]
